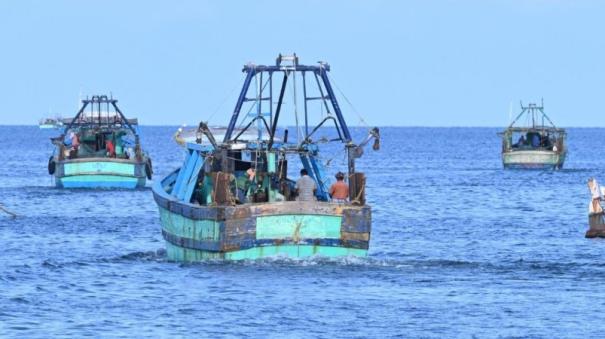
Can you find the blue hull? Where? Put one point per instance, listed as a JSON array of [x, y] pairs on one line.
[[101, 184]]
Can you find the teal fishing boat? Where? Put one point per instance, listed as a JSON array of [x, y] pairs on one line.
[[537, 145], [234, 198], [99, 148]]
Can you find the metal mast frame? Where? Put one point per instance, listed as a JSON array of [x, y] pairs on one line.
[[320, 73], [99, 100]]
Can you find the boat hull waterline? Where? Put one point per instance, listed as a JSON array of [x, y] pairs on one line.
[[100, 173], [533, 160], [253, 231]]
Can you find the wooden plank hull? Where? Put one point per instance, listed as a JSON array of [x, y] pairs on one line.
[[253, 231], [100, 173], [596, 225], [533, 160]]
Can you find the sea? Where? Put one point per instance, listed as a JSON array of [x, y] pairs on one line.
[[460, 248]]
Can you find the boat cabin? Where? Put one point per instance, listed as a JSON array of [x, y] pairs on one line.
[[101, 131]]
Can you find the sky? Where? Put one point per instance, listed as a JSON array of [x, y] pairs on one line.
[[400, 63]]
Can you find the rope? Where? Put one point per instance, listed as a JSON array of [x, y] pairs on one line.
[[348, 101], [223, 101]]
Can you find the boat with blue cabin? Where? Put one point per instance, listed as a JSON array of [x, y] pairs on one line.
[[539, 144], [235, 198], [99, 148]]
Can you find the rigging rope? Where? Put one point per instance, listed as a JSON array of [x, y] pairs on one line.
[[224, 100], [12, 214], [298, 128], [348, 101]]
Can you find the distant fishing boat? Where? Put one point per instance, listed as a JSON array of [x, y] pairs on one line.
[[50, 123], [232, 198], [99, 148], [535, 145], [188, 135]]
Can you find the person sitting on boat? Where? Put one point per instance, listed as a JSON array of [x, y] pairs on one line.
[[75, 140], [111, 149], [535, 140], [521, 141], [75, 145], [305, 186], [595, 192], [339, 191]]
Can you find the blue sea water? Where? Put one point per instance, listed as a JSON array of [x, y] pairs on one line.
[[460, 248]]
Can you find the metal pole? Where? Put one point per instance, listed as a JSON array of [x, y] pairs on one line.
[[278, 109], [259, 101], [332, 97], [321, 92], [271, 99], [240, 101], [306, 115], [85, 103], [351, 166]]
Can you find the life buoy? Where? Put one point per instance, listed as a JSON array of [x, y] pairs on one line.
[[51, 165], [148, 169]]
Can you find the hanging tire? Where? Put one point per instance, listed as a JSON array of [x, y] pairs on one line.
[[148, 169], [52, 166]]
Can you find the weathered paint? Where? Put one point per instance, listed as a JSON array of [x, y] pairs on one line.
[[188, 228], [533, 159], [596, 223], [117, 168], [99, 181], [251, 231], [100, 173], [298, 226], [176, 253]]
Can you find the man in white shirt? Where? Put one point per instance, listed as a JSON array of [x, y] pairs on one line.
[[305, 186]]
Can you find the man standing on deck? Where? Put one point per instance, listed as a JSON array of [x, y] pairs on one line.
[[339, 191], [305, 186]]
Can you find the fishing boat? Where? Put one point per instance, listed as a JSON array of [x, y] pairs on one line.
[[186, 135], [539, 144], [99, 148], [50, 123], [234, 199]]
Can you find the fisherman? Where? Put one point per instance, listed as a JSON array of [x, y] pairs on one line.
[[521, 141], [72, 153], [111, 149], [339, 191], [535, 140], [595, 192], [75, 141], [305, 186]]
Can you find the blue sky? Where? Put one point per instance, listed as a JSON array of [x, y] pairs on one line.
[[406, 63]]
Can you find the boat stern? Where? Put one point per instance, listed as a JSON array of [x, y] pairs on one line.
[[99, 173]]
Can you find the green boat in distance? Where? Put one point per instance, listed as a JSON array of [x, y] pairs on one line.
[[99, 148], [233, 199], [535, 146]]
